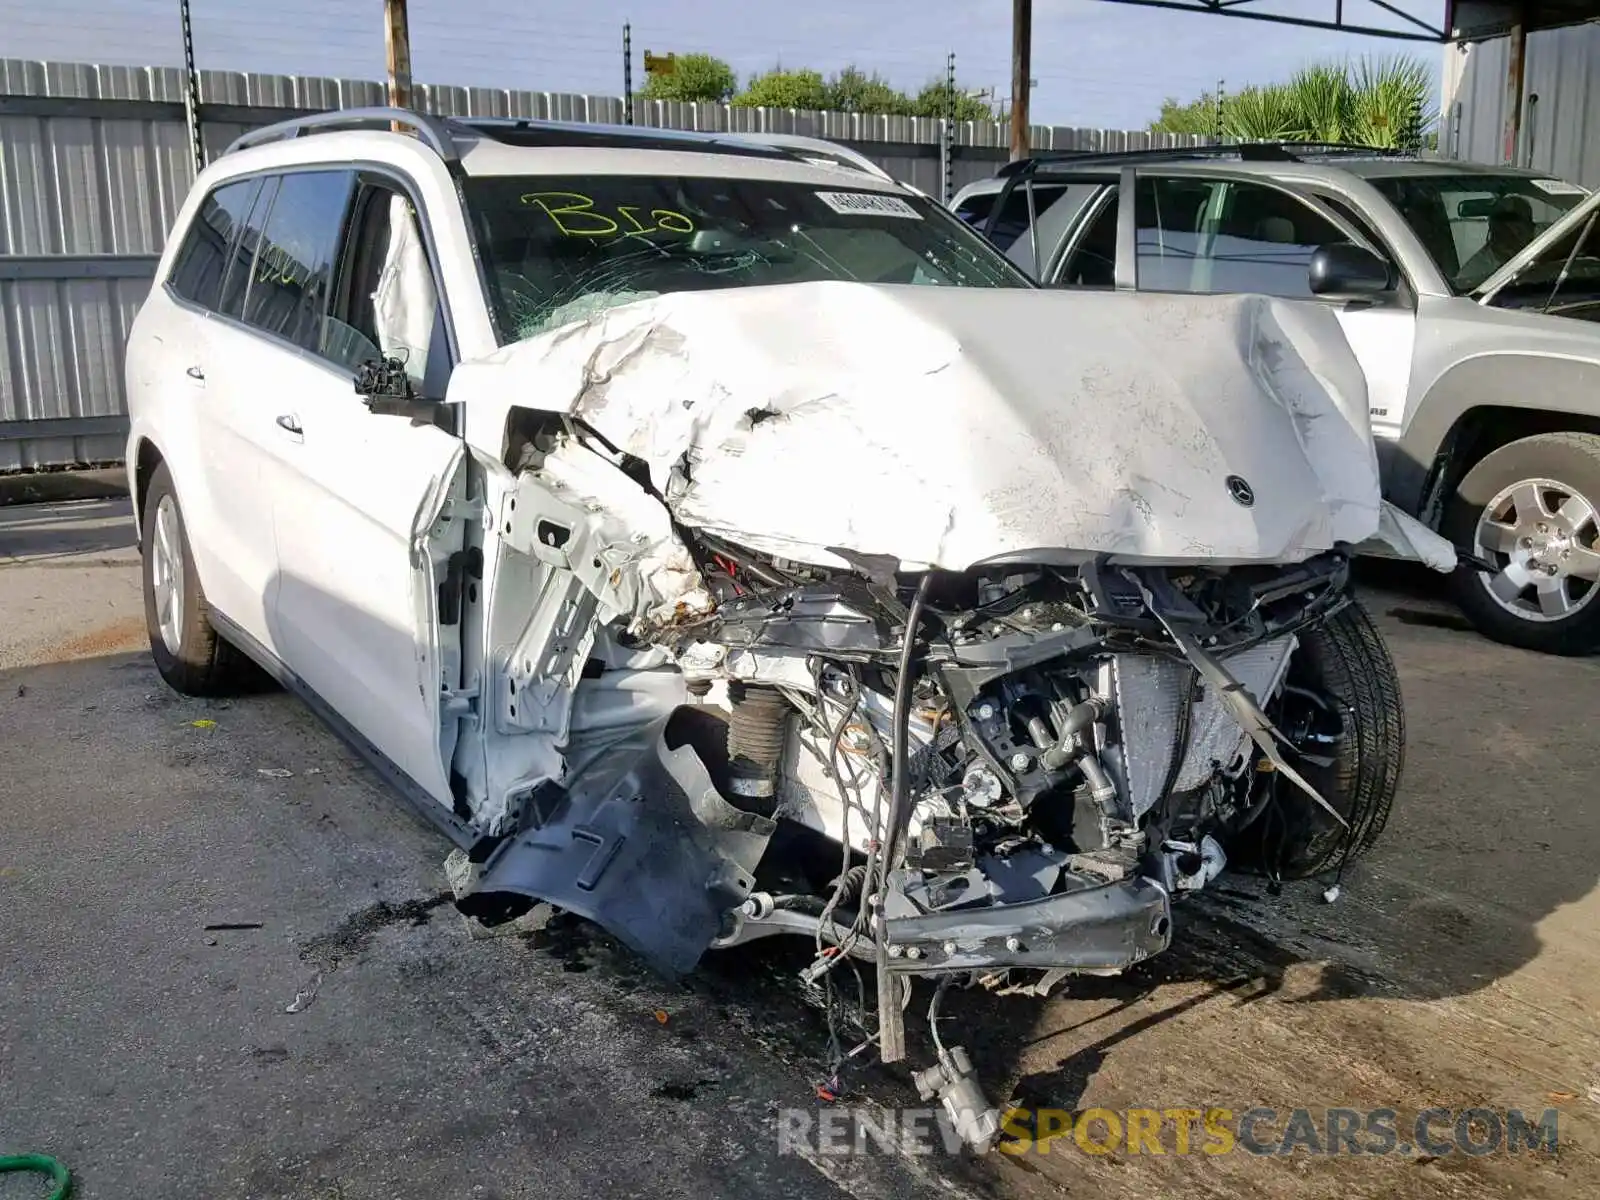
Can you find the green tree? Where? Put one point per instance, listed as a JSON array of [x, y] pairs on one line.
[[693, 77], [934, 101], [1197, 116], [853, 90], [784, 89]]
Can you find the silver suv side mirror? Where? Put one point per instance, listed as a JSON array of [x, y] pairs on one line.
[[1346, 269]]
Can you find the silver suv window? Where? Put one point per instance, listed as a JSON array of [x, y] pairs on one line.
[[1224, 235], [1473, 224]]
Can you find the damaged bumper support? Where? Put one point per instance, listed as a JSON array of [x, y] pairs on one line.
[[1106, 928], [1094, 929]]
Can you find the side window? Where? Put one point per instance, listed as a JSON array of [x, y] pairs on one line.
[[385, 301], [1358, 222], [975, 209], [1216, 236], [1014, 218], [198, 268], [242, 253], [292, 274], [1092, 263]]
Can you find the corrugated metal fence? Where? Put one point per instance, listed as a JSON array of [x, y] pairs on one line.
[[94, 163], [1560, 103]]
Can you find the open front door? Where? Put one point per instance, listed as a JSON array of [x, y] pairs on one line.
[[373, 564]]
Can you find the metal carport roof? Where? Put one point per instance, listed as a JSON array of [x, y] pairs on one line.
[[1459, 20]]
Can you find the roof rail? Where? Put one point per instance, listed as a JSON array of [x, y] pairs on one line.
[[523, 131], [814, 147], [434, 131], [1245, 151], [441, 133]]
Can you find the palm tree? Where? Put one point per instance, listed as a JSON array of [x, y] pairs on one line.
[[1374, 102], [1322, 98], [1263, 114], [1391, 102]]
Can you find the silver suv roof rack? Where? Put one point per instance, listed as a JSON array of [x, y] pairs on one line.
[[434, 131], [440, 134]]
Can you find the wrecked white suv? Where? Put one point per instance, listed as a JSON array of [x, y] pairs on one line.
[[630, 496]]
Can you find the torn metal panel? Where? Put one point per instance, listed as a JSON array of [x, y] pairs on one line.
[[1400, 535], [575, 511], [1130, 436]]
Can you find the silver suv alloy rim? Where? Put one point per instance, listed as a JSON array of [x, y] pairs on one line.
[[166, 574], [1543, 536]]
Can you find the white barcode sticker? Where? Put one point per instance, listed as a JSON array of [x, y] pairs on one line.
[[1560, 187], [868, 204]]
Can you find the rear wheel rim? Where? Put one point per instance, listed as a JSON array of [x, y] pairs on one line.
[[1543, 536], [166, 574]]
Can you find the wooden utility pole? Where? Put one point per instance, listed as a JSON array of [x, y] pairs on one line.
[[1021, 69], [1516, 59], [397, 39]]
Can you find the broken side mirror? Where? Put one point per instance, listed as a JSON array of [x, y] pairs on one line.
[[1346, 269], [386, 389]]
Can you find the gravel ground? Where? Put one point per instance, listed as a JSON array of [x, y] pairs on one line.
[[170, 894]]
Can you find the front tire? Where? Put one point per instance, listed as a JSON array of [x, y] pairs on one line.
[[1530, 508], [1342, 702], [188, 652]]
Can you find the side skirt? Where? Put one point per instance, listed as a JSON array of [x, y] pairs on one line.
[[446, 822]]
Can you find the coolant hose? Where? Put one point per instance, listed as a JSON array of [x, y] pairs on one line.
[[40, 1164]]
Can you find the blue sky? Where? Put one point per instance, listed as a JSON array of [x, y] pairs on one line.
[[1097, 64]]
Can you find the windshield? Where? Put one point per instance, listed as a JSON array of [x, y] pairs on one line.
[[557, 249], [1564, 277], [1473, 224]]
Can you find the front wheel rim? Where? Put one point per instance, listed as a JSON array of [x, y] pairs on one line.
[[166, 574], [1543, 536]]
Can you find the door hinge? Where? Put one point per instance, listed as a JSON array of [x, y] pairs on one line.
[[458, 702], [463, 508]]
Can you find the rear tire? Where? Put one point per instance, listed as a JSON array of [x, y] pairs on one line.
[[191, 656], [1345, 661], [1531, 508]]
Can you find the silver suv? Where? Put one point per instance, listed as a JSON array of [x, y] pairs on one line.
[[1467, 293]]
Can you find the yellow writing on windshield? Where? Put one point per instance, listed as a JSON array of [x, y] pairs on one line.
[[577, 215]]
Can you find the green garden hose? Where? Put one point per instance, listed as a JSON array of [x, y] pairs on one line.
[[41, 1165]]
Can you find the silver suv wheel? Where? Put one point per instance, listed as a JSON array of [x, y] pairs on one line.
[[1528, 508], [1542, 533]]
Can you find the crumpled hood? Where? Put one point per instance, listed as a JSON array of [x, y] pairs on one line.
[[944, 426]]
